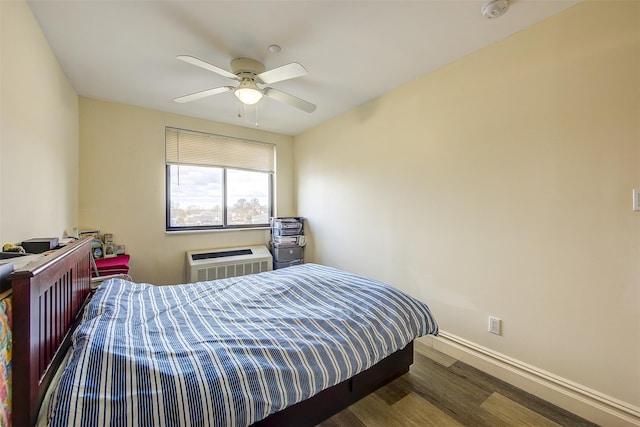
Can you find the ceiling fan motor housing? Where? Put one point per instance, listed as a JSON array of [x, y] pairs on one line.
[[246, 67]]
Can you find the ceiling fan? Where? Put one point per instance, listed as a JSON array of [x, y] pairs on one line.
[[251, 73]]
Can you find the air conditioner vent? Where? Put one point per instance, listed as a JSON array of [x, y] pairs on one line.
[[209, 255], [212, 264]]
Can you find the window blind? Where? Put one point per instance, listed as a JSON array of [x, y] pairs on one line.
[[203, 149]]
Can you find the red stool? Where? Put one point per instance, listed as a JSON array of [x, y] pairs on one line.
[[116, 265]]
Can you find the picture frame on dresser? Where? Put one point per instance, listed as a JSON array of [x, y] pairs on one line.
[[109, 250]]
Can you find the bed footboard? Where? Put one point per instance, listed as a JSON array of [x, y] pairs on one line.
[[47, 296]]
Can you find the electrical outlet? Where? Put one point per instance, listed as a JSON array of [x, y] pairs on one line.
[[495, 325], [636, 199]]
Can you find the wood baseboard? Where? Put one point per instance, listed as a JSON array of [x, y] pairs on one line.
[[590, 404]]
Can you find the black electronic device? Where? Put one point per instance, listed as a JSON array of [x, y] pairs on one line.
[[39, 245]]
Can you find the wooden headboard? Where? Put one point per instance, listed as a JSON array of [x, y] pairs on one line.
[[47, 296]]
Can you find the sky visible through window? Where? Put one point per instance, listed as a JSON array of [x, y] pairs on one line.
[[202, 186], [196, 196], [194, 186]]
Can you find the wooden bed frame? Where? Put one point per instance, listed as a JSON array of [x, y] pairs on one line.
[[48, 295]]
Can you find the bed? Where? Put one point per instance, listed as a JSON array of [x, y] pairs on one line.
[[279, 348]]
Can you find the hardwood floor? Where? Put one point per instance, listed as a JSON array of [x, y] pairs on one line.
[[440, 391]]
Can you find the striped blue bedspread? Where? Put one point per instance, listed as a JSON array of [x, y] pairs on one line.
[[227, 352]]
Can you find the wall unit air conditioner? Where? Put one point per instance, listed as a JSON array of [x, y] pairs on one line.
[[212, 264]]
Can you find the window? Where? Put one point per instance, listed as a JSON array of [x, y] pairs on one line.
[[217, 182]]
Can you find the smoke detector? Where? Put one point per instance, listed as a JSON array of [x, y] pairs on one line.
[[495, 9]]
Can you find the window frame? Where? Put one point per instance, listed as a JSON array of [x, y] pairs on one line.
[[224, 208]]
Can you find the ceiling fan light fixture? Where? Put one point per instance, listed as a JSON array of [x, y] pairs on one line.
[[248, 93]]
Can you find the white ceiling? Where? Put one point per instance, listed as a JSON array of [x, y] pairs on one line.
[[125, 51]]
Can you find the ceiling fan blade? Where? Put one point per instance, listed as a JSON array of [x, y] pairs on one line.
[[200, 63], [203, 94], [286, 72], [294, 101]]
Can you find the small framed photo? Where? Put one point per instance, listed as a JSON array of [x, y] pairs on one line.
[[107, 237], [120, 250], [93, 233], [109, 250]]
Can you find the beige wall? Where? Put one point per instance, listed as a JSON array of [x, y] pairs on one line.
[[122, 188], [501, 185], [38, 133]]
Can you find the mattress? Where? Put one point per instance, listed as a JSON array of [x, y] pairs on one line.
[[228, 352]]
